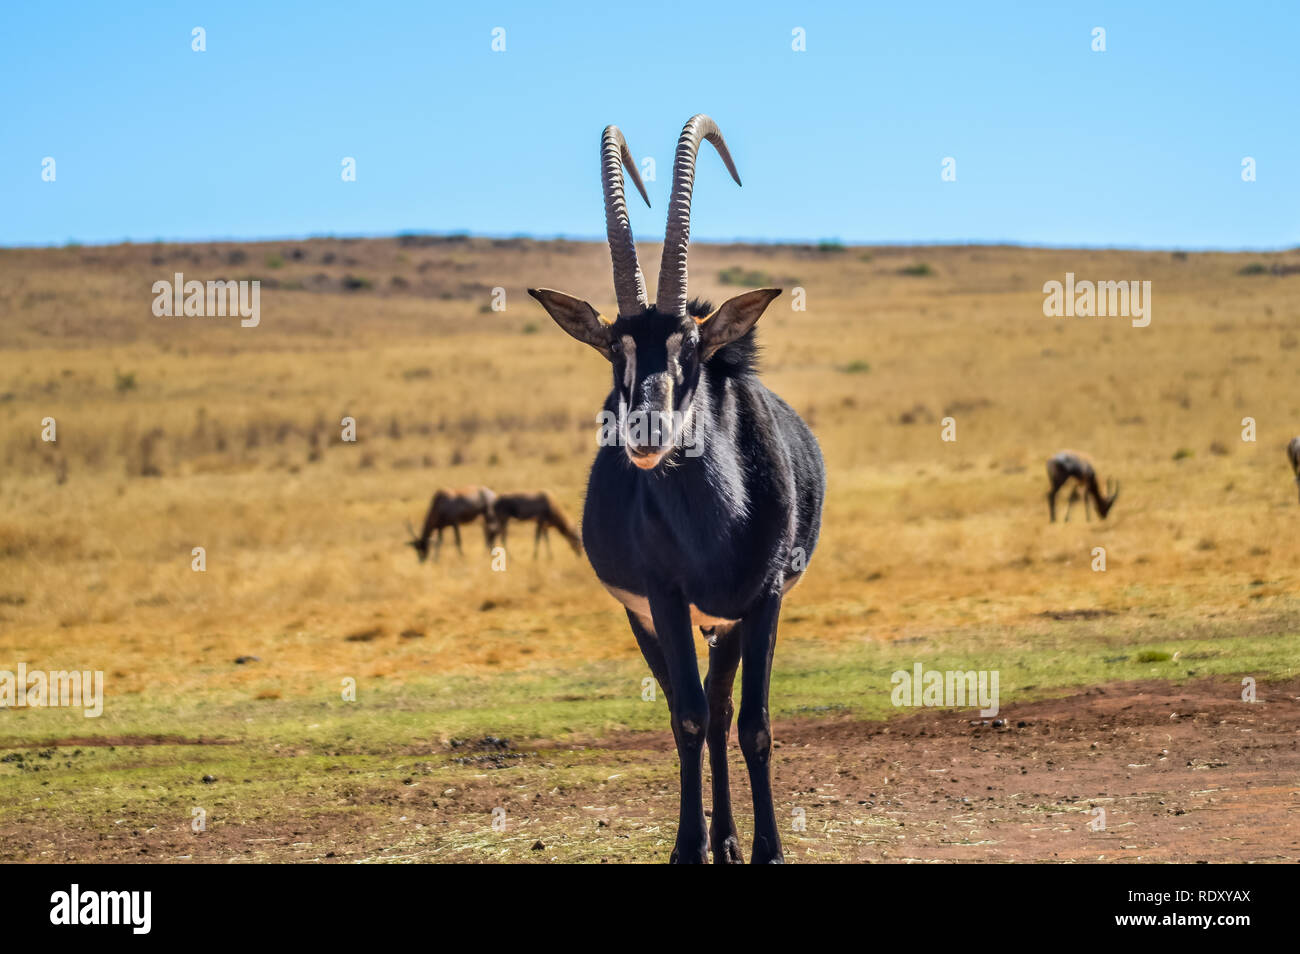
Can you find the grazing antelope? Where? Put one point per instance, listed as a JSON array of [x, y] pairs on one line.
[[540, 507], [1293, 455], [1071, 465], [451, 508], [707, 517]]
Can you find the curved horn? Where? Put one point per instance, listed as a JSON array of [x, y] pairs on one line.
[[629, 283], [410, 529], [677, 237]]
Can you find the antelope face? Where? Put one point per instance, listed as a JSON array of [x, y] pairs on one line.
[[656, 364], [657, 350], [657, 360]]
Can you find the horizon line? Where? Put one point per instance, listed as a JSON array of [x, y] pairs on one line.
[[600, 239]]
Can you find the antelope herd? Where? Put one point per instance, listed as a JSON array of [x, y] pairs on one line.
[[451, 508]]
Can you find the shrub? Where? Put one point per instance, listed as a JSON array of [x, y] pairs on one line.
[[736, 275]]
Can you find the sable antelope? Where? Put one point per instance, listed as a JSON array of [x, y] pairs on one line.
[[451, 508], [708, 517], [540, 507], [1293, 455], [1071, 465]]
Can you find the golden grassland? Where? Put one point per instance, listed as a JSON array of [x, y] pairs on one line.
[[176, 433]]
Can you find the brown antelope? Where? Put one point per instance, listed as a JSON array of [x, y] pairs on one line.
[[1293, 455], [451, 508], [1072, 465], [540, 507]]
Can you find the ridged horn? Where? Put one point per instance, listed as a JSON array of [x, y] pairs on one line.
[[677, 237], [629, 283]]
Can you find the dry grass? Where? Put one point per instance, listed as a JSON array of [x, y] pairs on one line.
[[177, 433]]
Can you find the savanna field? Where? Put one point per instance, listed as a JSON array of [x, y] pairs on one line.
[[521, 690]]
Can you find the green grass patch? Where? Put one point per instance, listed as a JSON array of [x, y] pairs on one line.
[[287, 755]]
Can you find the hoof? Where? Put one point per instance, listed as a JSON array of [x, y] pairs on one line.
[[690, 855], [767, 853], [728, 853]]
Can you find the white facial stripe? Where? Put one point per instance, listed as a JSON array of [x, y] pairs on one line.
[[688, 401], [629, 356], [674, 356]]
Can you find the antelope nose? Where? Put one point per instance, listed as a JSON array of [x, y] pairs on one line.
[[650, 425], [649, 432]]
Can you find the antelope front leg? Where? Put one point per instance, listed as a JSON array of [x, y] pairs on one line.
[[690, 720], [654, 655], [724, 657], [758, 642]]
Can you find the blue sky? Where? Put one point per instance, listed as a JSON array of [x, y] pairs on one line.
[[1139, 146]]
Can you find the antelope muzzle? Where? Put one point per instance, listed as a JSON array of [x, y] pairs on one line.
[[650, 429]]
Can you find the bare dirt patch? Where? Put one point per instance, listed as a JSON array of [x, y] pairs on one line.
[[1183, 773]]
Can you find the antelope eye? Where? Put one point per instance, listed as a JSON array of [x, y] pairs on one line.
[[616, 347]]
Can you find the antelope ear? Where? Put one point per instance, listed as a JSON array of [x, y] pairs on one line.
[[731, 321], [576, 317]]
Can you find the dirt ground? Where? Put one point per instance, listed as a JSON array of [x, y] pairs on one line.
[[1184, 773]]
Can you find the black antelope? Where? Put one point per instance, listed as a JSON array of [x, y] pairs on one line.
[[1293, 455], [541, 508], [708, 516], [1071, 465], [451, 508]]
